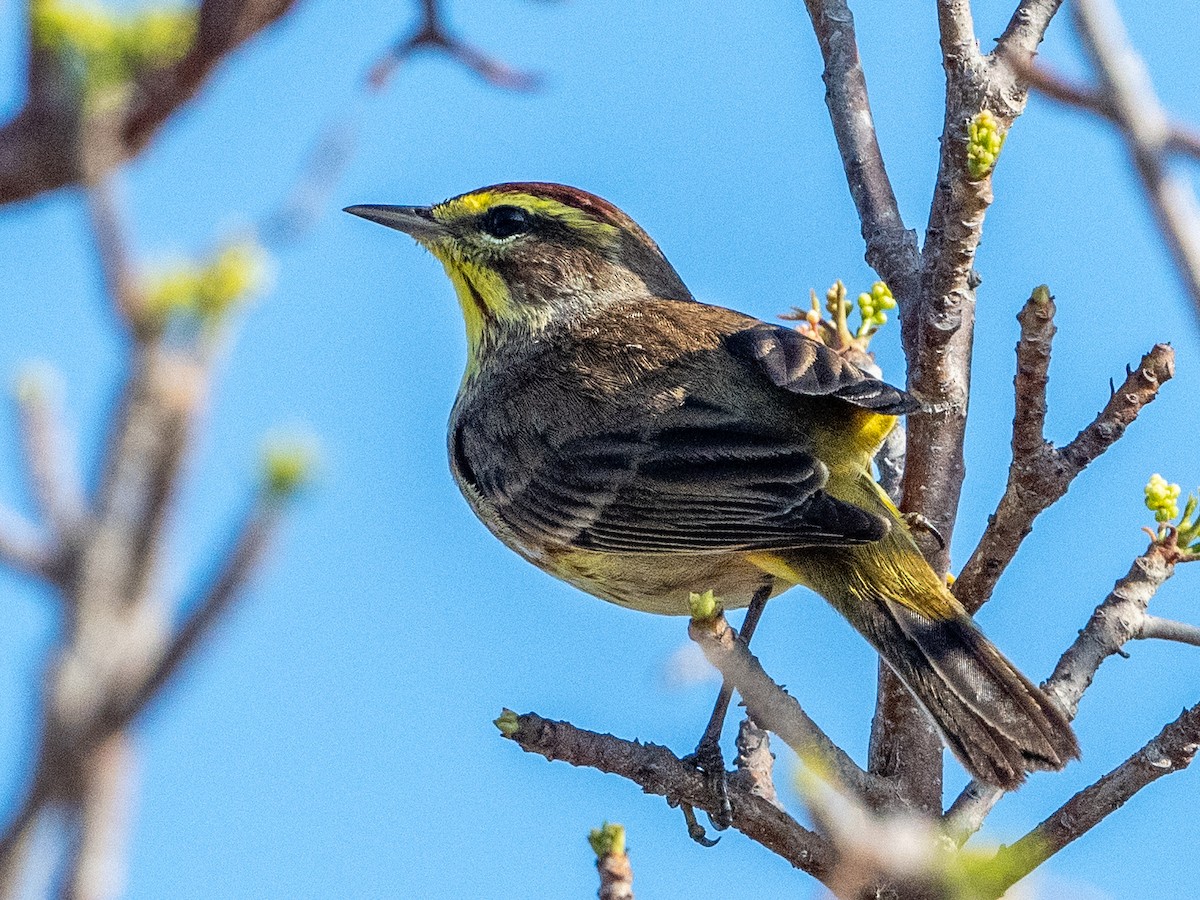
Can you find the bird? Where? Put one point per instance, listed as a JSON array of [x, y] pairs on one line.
[[643, 446]]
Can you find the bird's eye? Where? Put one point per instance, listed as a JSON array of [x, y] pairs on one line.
[[503, 222]]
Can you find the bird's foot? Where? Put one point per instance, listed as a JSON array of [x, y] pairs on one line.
[[710, 762], [917, 522]]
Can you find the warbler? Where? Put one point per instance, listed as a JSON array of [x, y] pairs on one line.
[[641, 445]]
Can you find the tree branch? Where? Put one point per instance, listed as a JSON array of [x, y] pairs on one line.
[[1026, 28], [1171, 751], [659, 771], [1154, 627], [1040, 474], [38, 145], [432, 33], [51, 469], [1181, 138], [1143, 122], [1117, 620], [238, 567], [772, 708], [23, 549]]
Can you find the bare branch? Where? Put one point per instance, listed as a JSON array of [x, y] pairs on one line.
[[755, 762], [1137, 111], [891, 248], [1026, 28], [1040, 474], [432, 33], [1169, 630], [1181, 138], [23, 549], [96, 861], [777, 711], [659, 771], [112, 251], [37, 146], [1116, 621], [237, 569], [957, 28], [1171, 751], [53, 474]]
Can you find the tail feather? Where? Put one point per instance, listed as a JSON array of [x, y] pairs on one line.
[[993, 718]]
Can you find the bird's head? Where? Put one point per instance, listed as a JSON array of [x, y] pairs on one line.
[[522, 255]]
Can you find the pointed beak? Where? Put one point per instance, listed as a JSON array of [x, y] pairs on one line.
[[416, 221]]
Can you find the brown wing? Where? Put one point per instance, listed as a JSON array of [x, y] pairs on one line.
[[708, 483], [803, 366]]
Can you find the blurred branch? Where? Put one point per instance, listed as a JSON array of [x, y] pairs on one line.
[[1040, 473], [96, 858], [1171, 751], [237, 568], [1181, 138], [112, 250], [432, 33], [51, 469], [38, 146], [1128, 92], [658, 771], [23, 549]]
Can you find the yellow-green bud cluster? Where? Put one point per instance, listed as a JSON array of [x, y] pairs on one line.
[[985, 138], [104, 50], [607, 840], [873, 308], [1162, 499], [288, 463], [206, 291]]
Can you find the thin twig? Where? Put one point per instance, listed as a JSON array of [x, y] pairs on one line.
[[777, 711], [432, 33], [23, 549], [891, 248], [1171, 751], [659, 771], [1040, 474], [1116, 621], [239, 565], [1181, 138], [1161, 629], [1143, 122], [51, 467]]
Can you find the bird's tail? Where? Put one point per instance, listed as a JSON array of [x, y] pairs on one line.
[[992, 717]]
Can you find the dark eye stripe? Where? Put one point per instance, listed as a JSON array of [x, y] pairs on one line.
[[505, 221]]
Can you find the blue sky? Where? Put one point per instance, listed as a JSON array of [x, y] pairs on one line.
[[335, 739]]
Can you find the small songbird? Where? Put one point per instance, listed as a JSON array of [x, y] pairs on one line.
[[642, 446]]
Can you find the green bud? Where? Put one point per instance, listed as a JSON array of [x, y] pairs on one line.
[[288, 462], [508, 723], [703, 607], [607, 840]]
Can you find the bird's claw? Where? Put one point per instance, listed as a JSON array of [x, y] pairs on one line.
[[917, 522], [709, 761]]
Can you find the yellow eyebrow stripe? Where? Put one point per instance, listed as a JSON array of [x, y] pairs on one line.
[[481, 201]]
